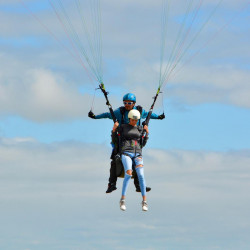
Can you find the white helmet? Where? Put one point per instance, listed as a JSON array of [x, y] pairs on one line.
[[134, 114]]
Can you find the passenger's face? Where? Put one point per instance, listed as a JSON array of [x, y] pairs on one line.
[[133, 122]]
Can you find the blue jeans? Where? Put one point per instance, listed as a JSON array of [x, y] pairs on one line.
[[128, 160]]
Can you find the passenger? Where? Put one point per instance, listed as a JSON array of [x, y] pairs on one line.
[[132, 142]]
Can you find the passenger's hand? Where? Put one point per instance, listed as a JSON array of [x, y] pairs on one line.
[[161, 117], [116, 125], [146, 128], [91, 114]]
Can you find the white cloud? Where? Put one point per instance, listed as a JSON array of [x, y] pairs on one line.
[[61, 159], [61, 188], [40, 94], [219, 84]]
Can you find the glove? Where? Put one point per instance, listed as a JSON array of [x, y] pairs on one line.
[[161, 117], [91, 114]]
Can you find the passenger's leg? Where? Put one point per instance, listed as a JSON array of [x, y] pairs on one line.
[[127, 163], [140, 172], [138, 161], [136, 181]]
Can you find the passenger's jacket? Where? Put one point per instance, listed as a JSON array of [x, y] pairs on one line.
[[131, 139], [118, 115]]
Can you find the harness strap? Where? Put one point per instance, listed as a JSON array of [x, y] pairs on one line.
[[139, 108], [122, 111]]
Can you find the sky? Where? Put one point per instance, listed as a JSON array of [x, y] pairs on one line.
[[54, 160]]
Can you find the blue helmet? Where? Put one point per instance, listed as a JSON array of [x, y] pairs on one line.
[[129, 97]]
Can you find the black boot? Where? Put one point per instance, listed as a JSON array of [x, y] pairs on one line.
[[111, 187], [138, 189]]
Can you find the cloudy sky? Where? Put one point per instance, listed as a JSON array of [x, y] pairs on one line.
[[54, 160]]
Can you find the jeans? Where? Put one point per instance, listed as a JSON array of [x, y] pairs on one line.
[[128, 159]]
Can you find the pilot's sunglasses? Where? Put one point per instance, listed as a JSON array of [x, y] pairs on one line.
[[129, 103]]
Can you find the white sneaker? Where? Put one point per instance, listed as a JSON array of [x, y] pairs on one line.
[[122, 205], [144, 206]]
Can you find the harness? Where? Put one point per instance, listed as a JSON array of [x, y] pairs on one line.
[[122, 111]]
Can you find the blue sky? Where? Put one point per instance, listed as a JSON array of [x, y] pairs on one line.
[[203, 127], [54, 162]]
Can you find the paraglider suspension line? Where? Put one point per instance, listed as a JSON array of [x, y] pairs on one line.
[[102, 88]]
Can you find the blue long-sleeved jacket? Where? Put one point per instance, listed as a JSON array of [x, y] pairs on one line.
[[118, 115]]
